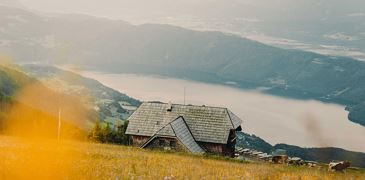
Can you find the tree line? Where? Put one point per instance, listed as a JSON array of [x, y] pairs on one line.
[[105, 134]]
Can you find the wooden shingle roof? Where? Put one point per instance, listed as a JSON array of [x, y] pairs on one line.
[[182, 133], [207, 124]]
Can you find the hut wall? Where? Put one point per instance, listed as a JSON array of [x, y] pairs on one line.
[[212, 147], [166, 143], [222, 149], [229, 148], [173, 144], [139, 140]]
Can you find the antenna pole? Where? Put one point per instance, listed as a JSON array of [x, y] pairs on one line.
[[184, 95], [59, 125]]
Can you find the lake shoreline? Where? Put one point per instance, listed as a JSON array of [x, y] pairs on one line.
[[254, 111]]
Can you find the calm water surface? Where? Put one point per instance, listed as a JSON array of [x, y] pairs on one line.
[[275, 119]]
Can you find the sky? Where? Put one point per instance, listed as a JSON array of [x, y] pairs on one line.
[[113, 6], [116, 9], [123, 8]]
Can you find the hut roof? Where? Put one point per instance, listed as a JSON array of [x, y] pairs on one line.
[[182, 133], [207, 124]]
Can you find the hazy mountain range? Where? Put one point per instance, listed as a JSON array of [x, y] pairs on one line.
[[116, 46], [333, 27]]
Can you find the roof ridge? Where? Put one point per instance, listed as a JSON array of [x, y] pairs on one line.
[[188, 105], [230, 118], [187, 126]]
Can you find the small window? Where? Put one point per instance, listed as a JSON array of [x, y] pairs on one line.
[[161, 142], [173, 144], [158, 123]]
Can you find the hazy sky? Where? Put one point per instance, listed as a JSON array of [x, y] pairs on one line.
[[111, 8], [129, 9]]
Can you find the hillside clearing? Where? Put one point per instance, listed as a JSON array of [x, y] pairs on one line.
[[48, 159]]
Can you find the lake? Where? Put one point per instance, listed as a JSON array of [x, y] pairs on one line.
[[306, 123]]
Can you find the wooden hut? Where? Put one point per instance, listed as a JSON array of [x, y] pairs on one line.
[[188, 128]]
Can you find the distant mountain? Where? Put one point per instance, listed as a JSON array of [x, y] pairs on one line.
[[325, 26], [323, 155], [112, 106], [116, 46]]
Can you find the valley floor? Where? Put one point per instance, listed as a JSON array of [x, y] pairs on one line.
[[49, 159]]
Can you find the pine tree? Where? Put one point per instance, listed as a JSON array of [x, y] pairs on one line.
[[95, 134], [107, 134], [121, 137]]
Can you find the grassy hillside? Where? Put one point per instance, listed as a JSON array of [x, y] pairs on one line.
[[11, 81], [22, 158], [107, 102], [27, 105]]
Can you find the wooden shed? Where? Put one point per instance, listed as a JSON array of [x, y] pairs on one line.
[[188, 128]]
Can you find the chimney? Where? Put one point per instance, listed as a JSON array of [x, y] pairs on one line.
[[169, 106]]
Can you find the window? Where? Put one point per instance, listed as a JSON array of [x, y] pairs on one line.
[[158, 123], [173, 144], [161, 142]]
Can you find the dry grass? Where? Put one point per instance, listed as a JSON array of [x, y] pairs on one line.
[[48, 159]]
